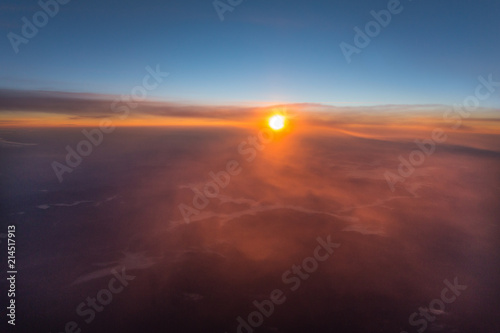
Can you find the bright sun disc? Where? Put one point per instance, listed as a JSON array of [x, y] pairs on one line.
[[277, 122]]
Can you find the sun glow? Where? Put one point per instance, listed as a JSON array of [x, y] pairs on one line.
[[277, 122]]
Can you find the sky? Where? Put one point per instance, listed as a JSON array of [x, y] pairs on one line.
[[263, 52]]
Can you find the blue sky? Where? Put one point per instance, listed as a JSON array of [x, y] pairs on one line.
[[264, 51]]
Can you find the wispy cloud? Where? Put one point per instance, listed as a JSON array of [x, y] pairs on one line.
[[12, 144]]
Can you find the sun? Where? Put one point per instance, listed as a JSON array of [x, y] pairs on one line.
[[277, 122]]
